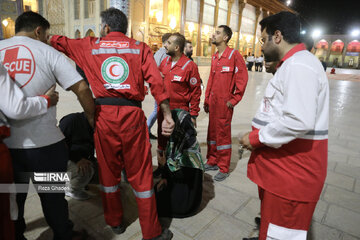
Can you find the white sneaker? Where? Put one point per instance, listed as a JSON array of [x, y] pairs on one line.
[[78, 195]]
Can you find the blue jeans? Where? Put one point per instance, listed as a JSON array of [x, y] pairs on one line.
[[152, 118]]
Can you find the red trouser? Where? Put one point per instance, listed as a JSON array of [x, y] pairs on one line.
[[284, 219], [219, 134], [7, 231], [121, 141]]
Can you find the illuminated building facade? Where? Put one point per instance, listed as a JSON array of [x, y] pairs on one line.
[[150, 19], [338, 50]]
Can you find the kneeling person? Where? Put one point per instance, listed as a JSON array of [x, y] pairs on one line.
[[79, 138]]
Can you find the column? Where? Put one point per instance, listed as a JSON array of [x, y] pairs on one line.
[[97, 17], [329, 51], [216, 16], [230, 3], [241, 8], [257, 11], [81, 17], [201, 16], [183, 17]]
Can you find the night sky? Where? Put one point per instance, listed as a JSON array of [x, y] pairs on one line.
[[331, 16]]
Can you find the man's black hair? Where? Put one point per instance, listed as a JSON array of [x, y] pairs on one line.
[[180, 41], [165, 37], [188, 41], [28, 21], [115, 19], [228, 32], [286, 22]]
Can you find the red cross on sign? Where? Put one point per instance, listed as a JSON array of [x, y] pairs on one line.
[[20, 63]]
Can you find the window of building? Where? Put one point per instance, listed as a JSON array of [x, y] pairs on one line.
[[103, 5], [92, 6], [76, 9]]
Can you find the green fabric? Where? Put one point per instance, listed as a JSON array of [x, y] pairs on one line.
[[177, 153]]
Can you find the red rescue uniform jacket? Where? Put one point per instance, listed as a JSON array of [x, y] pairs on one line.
[[228, 77], [182, 82], [119, 65]]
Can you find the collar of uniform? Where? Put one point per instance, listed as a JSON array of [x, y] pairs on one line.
[[225, 53], [182, 60], [116, 34], [297, 48]]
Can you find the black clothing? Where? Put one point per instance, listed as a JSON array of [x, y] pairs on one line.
[[52, 158], [78, 135]]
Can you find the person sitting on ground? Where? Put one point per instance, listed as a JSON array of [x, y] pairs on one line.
[[79, 139], [179, 192]]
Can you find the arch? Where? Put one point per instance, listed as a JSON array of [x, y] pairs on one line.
[[353, 46], [337, 46], [322, 44], [77, 34], [90, 33]]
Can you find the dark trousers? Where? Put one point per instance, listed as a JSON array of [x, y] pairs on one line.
[[52, 158], [250, 65]]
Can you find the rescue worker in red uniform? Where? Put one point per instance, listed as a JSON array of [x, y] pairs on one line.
[[181, 80], [14, 104], [225, 88], [116, 67]]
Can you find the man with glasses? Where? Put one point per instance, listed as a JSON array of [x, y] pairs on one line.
[[290, 133]]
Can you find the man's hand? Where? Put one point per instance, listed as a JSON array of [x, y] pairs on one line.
[[206, 108], [53, 96], [245, 141], [84, 166], [167, 125], [229, 105], [194, 121]]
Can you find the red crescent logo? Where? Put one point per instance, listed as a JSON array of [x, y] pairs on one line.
[[111, 71]]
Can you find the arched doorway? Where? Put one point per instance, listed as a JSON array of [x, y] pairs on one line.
[[321, 48], [77, 34], [336, 49], [90, 33], [352, 54]]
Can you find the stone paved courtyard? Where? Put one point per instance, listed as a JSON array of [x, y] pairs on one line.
[[229, 207]]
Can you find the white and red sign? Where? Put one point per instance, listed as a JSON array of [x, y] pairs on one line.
[[20, 63], [114, 44]]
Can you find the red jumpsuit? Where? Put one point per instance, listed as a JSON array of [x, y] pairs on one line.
[[182, 82], [116, 67], [227, 82], [7, 231]]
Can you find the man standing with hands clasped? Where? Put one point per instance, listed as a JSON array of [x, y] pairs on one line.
[[117, 67], [289, 140], [225, 88]]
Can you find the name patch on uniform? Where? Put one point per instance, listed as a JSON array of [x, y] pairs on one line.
[[113, 44], [225, 69], [177, 78], [115, 70], [116, 86], [193, 81]]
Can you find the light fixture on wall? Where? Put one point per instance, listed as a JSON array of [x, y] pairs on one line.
[[5, 22], [355, 33], [316, 33], [172, 23], [159, 16], [206, 30], [191, 27]]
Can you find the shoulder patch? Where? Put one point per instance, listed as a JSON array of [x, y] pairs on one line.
[[193, 81]]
